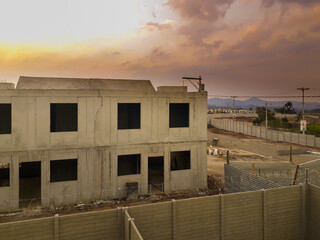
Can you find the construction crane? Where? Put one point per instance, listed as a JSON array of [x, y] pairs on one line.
[[200, 86]]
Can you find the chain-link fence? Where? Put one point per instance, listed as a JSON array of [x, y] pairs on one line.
[[276, 172], [309, 171], [237, 180]]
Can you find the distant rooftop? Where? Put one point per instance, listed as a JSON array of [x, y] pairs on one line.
[[84, 83]]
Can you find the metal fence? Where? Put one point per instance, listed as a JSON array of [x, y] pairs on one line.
[[237, 180], [262, 132], [309, 171]]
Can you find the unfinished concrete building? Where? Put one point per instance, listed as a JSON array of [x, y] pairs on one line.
[[64, 140]]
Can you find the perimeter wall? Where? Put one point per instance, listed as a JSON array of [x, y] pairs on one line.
[[261, 132], [283, 213]]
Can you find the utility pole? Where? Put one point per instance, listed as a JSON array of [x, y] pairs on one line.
[[266, 116], [303, 89], [233, 100], [200, 86]]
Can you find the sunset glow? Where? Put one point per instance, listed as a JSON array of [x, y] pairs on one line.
[[238, 46]]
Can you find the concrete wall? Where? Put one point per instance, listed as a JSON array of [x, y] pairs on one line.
[[276, 214], [98, 142], [313, 220], [259, 131], [97, 173], [247, 215]]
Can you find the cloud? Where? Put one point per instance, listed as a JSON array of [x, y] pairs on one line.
[[269, 3], [207, 10], [152, 26]]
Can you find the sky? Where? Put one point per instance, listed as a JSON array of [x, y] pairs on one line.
[[239, 47]]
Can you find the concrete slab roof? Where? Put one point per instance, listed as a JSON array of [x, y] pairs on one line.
[[84, 83]]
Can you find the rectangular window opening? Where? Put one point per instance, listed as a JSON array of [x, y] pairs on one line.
[[180, 160], [5, 119], [128, 115], [63, 170], [129, 164], [64, 117], [4, 174], [179, 115]]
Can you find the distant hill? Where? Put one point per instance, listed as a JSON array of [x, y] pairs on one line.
[[257, 102]]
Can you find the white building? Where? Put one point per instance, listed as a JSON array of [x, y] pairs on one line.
[[64, 140]]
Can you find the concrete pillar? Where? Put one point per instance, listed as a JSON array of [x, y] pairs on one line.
[[174, 217], [56, 227]]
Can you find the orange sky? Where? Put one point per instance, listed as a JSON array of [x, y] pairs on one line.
[[240, 47]]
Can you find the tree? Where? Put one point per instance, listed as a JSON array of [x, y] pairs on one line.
[[286, 109], [261, 111]]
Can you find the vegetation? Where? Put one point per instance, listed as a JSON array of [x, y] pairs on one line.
[[286, 109], [313, 129], [261, 111]]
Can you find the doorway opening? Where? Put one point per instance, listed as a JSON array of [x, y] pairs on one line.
[[29, 184], [156, 174]]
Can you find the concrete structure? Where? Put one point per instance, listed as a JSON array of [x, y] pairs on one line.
[[108, 132], [287, 213]]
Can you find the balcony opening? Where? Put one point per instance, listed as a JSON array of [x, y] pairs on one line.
[[4, 174], [180, 160], [179, 115], [64, 117], [63, 170], [30, 184], [128, 115], [129, 164], [155, 174], [5, 119]]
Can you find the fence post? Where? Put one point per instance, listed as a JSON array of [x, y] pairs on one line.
[[221, 220], [228, 159], [264, 215], [174, 211], [307, 175], [56, 227]]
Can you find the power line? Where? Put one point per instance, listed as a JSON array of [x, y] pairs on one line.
[[225, 96]]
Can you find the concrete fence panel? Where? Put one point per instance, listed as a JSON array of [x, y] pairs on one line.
[[313, 220], [310, 140], [197, 219], [283, 213], [317, 142], [242, 216], [287, 137], [295, 138], [39, 229], [303, 139], [281, 136], [94, 225], [134, 232], [155, 222]]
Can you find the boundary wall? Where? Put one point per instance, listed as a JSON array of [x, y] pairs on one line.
[[274, 214], [261, 132]]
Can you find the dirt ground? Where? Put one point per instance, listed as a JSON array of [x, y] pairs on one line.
[[252, 149]]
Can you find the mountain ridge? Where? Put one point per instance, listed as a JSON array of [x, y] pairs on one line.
[[257, 102]]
